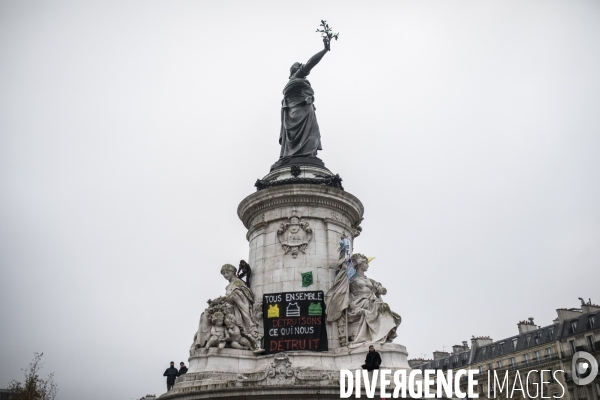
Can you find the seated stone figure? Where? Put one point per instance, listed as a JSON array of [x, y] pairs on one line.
[[236, 340], [238, 301], [372, 319], [218, 332]]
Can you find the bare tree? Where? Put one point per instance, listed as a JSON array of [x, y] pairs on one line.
[[34, 387]]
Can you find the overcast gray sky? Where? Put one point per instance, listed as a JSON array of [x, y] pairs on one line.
[[131, 130]]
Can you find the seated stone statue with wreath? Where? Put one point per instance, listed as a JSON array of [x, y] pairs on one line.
[[237, 307]]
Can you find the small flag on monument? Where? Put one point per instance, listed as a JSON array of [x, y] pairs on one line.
[[350, 270]]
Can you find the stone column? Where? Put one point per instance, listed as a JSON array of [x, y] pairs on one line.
[[318, 216]]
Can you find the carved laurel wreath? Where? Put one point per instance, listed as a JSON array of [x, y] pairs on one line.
[[294, 249]]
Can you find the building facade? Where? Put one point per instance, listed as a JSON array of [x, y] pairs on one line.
[[524, 356], [5, 394]]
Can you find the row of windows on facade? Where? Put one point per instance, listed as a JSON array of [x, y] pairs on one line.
[[538, 337], [547, 378], [511, 361], [526, 360], [548, 354], [581, 390], [497, 350], [500, 347], [465, 358], [590, 325]]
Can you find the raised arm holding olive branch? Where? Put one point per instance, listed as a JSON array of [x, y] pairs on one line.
[[303, 70], [300, 137]]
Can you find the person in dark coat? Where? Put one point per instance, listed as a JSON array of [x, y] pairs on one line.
[[244, 271], [182, 368], [373, 360], [171, 373]]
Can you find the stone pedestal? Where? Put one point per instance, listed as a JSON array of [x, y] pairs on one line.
[[323, 215], [295, 223], [232, 374]]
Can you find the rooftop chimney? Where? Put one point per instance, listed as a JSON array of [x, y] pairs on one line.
[[526, 326], [564, 314], [588, 307], [440, 354], [480, 341], [415, 362], [459, 348]]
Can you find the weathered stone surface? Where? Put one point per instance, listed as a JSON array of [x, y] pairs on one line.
[[234, 374], [278, 257], [230, 320], [369, 318], [328, 212]]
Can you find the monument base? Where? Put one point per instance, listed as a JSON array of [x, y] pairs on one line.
[[234, 374], [289, 161]]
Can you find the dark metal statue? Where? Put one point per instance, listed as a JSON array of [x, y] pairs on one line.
[[300, 136]]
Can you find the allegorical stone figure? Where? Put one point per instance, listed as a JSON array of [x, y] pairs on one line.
[[237, 302], [300, 135], [240, 297], [375, 321]]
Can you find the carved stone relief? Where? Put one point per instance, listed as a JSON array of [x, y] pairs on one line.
[[356, 229], [280, 371], [294, 235], [339, 217], [229, 320]]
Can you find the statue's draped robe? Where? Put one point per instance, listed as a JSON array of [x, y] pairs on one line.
[[337, 298], [377, 323], [241, 299], [203, 331], [299, 135]]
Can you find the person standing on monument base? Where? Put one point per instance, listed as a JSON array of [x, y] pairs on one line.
[[171, 373], [373, 360], [182, 369], [244, 271]]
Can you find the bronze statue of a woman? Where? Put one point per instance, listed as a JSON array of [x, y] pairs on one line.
[[300, 136]]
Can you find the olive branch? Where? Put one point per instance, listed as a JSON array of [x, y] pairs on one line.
[[326, 32]]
